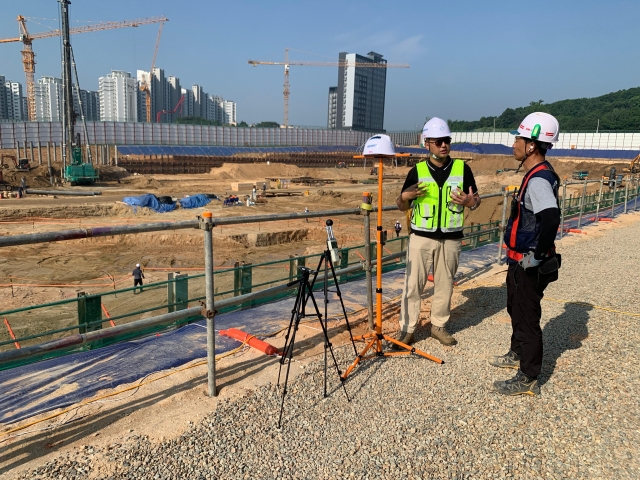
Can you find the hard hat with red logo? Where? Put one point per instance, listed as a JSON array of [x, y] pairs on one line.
[[539, 126]]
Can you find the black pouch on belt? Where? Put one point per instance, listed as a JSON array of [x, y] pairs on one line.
[[548, 269]]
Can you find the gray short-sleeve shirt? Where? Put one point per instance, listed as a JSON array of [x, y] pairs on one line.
[[539, 195]]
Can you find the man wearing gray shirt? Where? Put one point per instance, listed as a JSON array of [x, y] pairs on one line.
[[533, 263]]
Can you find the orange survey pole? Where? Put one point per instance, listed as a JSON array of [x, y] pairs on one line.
[[104, 309], [11, 334], [375, 338]]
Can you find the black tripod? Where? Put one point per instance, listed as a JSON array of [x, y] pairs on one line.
[[298, 313], [328, 264]]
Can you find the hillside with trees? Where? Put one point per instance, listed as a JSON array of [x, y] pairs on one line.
[[617, 111]]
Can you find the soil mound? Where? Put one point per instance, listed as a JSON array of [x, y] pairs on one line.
[[255, 171]]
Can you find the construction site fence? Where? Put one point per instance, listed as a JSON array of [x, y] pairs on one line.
[[21, 134], [244, 285], [566, 140]]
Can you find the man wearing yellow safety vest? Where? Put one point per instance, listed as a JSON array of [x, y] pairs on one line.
[[533, 262], [437, 190]]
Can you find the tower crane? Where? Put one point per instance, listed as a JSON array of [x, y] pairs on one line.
[[28, 55], [145, 85], [288, 64]]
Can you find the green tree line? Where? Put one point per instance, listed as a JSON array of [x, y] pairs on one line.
[[215, 123], [617, 111]]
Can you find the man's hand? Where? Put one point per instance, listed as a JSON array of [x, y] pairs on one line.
[[466, 199], [528, 261], [413, 192]]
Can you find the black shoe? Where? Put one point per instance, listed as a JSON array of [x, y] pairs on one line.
[[521, 384], [510, 360]]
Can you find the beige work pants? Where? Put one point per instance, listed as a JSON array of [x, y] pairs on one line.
[[424, 253]]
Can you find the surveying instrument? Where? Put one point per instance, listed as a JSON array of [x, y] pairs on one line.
[[380, 147], [304, 293]]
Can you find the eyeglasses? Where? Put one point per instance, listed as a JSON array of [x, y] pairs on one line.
[[438, 142]]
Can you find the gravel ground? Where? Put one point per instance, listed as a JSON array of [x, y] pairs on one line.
[[412, 418]]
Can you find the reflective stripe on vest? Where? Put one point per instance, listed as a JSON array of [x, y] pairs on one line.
[[435, 209]]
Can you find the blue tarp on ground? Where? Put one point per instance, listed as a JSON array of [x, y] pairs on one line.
[[194, 201], [149, 201]]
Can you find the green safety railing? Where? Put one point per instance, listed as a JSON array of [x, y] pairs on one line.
[[91, 311]]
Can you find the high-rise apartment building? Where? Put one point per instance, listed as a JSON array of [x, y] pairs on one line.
[[332, 117], [13, 106], [3, 100], [90, 104], [187, 104], [118, 97], [200, 108], [360, 94], [159, 99], [174, 94], [49, 95], [229, 109]]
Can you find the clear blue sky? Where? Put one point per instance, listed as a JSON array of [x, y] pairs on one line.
[[468, 58]]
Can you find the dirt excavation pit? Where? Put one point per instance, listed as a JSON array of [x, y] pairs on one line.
[[80, 262]]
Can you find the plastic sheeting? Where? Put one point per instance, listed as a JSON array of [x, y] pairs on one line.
[[149, 201], [194, 201]]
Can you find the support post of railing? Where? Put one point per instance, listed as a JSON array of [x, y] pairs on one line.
[[599, 198], [292, 267], [635, 201], [613, 201], [502, 224], [206, 224], [582, 200], [366, 210], [563, 207], [626, 192]]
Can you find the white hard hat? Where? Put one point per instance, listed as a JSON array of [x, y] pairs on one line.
[[539, 126], [379, 146], [436, 128], [137, 265]]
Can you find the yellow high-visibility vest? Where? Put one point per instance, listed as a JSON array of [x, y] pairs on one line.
[[436, 209]]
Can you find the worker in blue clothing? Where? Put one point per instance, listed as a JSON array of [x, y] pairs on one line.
[[533, 263]]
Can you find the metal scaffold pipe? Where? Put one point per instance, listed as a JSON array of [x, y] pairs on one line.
[[207, 225]]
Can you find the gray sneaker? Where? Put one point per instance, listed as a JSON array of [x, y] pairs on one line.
[[521, 384], [441, 334], [404, 337], [510, 360]]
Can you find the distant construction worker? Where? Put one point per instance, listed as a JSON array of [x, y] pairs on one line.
[[306, 210], [437, 190], [397, 227], [264, 188], [533, 263], [138, 275], [254, 193], [23, 184]]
